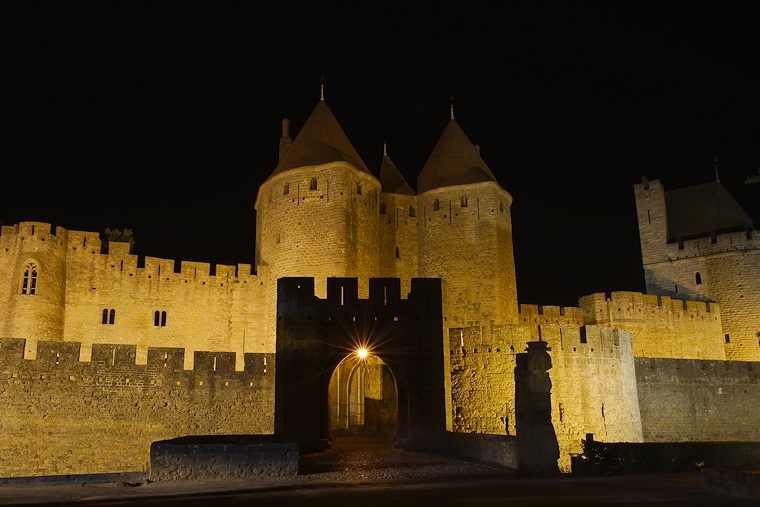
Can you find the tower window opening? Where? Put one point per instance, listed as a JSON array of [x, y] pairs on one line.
[[464, 201], [501, 206], [29, 279], [436, 205], [105, 316], [159, 319], [412, 211], [112, 316], [286, 189], [358, 189], [313, 184], [382, 208], [398, 253], [728, 338], [584, 338], [698, 278]]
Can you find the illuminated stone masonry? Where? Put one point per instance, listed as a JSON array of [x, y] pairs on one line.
[[322, 214]]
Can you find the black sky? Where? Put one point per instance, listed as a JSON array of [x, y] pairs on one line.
[[166, 120]]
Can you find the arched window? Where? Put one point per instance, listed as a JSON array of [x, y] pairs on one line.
[[464, 201], [313, 184], [159, 318], [698, 278], [109, 316], [29, 279]]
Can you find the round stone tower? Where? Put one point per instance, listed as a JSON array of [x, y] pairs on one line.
[[465, 233], [33, 292], [317, 213]]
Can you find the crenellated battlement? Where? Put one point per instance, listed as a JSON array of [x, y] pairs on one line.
[[661, 326], [548, 314], [86, 246], [65, 357], [12, 236], [722, 243], [624, 306]]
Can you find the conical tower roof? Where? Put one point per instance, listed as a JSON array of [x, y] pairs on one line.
[[704, 209], [320, 141], [454, 161], [391, 179]]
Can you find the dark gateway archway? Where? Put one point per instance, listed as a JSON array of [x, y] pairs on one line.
[[314, 335]]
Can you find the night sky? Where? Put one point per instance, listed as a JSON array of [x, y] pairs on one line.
[[166, 120]]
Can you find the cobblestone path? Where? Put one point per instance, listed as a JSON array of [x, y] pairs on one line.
[[369, 456]]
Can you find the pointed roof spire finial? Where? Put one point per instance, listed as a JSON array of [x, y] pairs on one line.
[[322, 87], [451, 104], [717, 178]]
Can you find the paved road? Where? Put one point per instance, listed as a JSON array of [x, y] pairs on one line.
[[363, 472]]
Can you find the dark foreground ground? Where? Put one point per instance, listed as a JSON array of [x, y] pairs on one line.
[[367, 472]]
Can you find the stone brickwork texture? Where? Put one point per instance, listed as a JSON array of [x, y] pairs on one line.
[[62, 416], [333, 219]]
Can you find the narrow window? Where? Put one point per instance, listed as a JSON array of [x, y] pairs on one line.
[[464, 201], [156, 317], [584, 339], [112, 316], [105, 316], [412, 212], [728, 338], [313, 184], [698, 278], [436, 205], [163, 318], [358, 189], [382, 208], [501, 206], [398, 253], [286, 189], [29, 279]]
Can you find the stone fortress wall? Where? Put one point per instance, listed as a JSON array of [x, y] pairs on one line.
[[65, 416], [692, 400], [593, 379], [661, 326], [197, 309], [322, 218]]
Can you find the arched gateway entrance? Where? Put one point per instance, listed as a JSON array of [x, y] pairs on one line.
[[362, 396], [322, 388]]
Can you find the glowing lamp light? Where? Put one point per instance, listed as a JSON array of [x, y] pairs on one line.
[[362, 353]]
